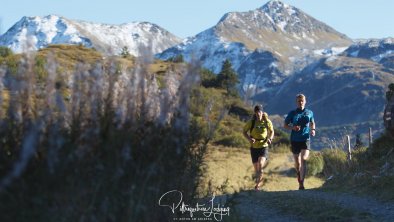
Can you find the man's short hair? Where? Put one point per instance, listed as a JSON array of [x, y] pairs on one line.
[[300, 95]]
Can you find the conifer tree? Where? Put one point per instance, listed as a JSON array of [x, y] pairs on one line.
[[125, 52], [228, 78]]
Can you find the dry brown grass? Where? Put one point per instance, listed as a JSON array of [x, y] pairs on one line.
[[229, 170], [225, 170], [69, 55]]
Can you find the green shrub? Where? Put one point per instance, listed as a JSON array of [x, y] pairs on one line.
[[381, 146], [281, 137], [359, 157], [315, 164], [334, 161], [208, 78], [207, 101], [240, 111], [4, 51], [234, 140]]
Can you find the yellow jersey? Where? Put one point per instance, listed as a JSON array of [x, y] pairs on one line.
[[259, 132]]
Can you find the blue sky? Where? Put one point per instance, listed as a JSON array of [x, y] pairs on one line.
[[184, 18]]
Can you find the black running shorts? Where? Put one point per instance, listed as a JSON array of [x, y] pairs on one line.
[[296, 146], [255, 153]]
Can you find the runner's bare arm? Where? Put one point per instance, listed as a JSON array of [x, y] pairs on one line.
[[270, 135], [312, 126], [249, 138]]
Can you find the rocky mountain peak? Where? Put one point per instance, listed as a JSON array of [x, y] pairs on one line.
[[284, 16], [264, 45], [291, 19], [279, 11], [274, 14], [274, 20]]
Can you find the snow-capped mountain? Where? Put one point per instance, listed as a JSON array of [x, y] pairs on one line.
[[378, 50], [337, 88], [33, 33], [346, 94], [278, 35]]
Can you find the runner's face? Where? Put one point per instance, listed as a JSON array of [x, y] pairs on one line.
[[259, 114], [301, 103]]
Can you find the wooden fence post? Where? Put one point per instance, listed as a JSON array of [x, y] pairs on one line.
[[349, 150]]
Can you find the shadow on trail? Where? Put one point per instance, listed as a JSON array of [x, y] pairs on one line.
[[286, 172], [309, 205]]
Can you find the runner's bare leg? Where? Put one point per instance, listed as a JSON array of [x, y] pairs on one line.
[[259, 170]]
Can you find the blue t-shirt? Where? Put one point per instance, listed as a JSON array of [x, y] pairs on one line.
[[301, 118]]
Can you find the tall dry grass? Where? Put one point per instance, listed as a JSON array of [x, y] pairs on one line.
[[98, 143]]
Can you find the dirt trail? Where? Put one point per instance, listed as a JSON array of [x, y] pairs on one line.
[[280, 179], [385, 211], [279, 176], [253, 209], [230, 170]]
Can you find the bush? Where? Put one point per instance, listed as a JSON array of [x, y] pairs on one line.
[[334, 161], [233, 140], [240, 111], [5, 51], [208, 78], [108, 150], [281, 137], [382, 146], [207, 100], [315, 164]]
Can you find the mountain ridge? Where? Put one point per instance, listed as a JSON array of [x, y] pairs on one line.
[[269, 47], [238, 35], [33, 33]]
